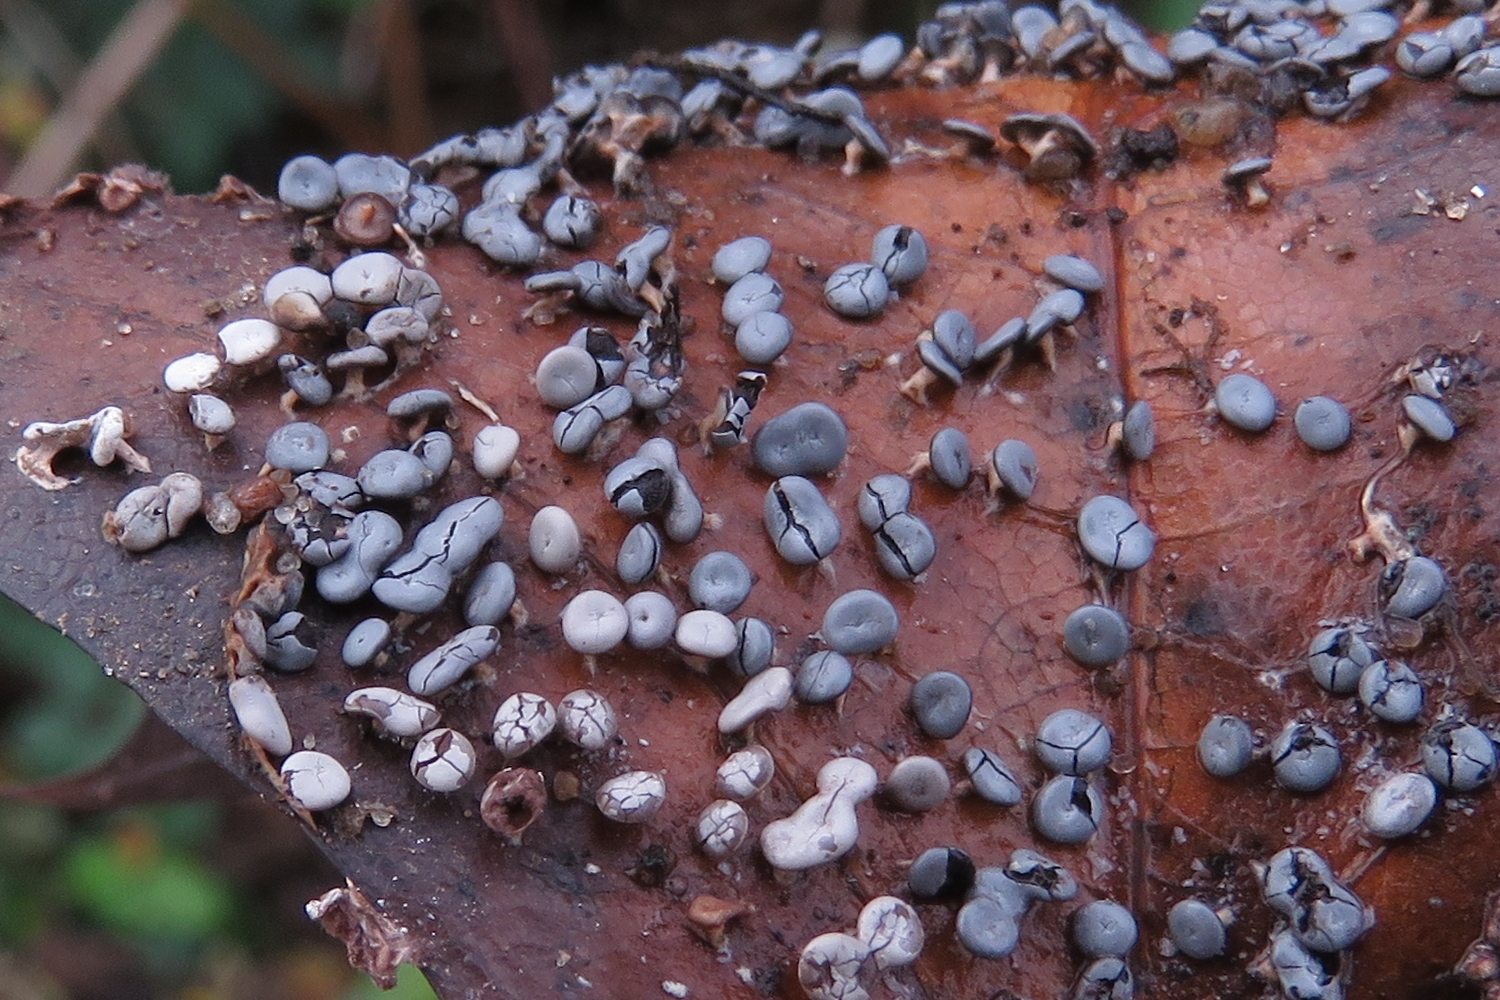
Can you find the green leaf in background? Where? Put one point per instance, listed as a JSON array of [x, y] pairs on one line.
[[192, 103], [30, 839], [198, 98], [58, 712], [410, 985], [1162, 15], [342, 8], [132, 882], [183, 826]]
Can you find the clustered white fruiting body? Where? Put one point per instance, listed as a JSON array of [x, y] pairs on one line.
[[825, 827], [838, 966], [102, 434]]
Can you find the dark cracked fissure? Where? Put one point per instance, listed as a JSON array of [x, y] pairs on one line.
[[792, 524]]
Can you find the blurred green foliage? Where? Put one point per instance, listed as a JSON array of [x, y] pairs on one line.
[[29, 836], [142, 875], [188, 109], [199, 111], [409, 986], [1163, 15], [197, 101], [133, 881], [134, 873], [63, 714]]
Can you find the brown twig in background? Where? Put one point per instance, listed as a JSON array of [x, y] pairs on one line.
[[45, 48], [400, 41], [156, 764], [131, 47], [526, 50]]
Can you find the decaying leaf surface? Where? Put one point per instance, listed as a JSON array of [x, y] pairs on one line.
[[375, 944], [1328, 291]]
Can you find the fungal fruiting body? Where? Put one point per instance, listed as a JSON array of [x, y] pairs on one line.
[[411, 530]]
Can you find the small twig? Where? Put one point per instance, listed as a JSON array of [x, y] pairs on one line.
[[405, 90], [678, 64], [526, 50], [45, 47], [131, 47], [470, 397]]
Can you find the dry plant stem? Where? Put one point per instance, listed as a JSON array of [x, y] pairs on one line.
[[1381, 535], [47, 50], [260, 555], [405, 91], [132, 47], [526, 50], [376, 944], [414, 255], [468, 396]]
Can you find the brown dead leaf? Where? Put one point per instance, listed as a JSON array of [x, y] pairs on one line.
[[115, 191], [1252, 551], [376, 945], [233, 191]]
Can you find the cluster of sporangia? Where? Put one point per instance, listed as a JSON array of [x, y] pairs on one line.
[[373, 315]]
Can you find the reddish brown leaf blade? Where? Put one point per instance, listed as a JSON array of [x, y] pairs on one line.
[[1251, 554]]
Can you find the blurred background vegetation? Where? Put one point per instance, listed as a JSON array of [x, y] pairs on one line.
[[202, 899], [200, 88], [196, 900]]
